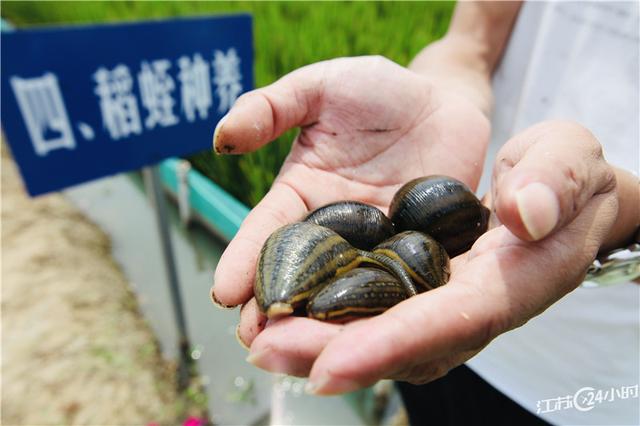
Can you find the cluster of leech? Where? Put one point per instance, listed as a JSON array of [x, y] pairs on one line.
[[348, 259]]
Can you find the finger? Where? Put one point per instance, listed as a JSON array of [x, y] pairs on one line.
[[546, 175], [235, 273], [487, 201], [291, 345], [432, 370], [262, 115], [505, 282], [423, 328], [252, 322]]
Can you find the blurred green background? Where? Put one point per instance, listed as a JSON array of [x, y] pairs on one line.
[[287, 36]]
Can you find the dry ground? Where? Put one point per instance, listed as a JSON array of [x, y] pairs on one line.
[[74, 347]]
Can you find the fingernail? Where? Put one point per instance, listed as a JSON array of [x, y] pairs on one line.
[[255, 358], [539, 209], [327, 385], [217, 303], [216, 134], [240, 341], [311, 388], [268, 360]]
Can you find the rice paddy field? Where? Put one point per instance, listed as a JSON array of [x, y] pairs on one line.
[[287, 35]]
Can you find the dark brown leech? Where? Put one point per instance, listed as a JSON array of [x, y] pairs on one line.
[[421, 256], [442, 207], [359, 292], [362, 225]]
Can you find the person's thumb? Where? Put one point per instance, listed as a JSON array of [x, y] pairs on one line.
[[262, 115], [544, 177]]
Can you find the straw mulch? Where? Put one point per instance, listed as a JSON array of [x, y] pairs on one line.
[[75, 350]]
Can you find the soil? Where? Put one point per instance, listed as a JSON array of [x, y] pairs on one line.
[[75, 349]]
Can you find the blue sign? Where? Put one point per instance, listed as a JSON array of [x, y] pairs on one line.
[[85, 102]]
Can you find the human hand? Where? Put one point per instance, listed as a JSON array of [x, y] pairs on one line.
[[368, 126], [556, 198]]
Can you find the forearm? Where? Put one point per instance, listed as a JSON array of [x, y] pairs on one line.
[[468, 54], [626, 226]]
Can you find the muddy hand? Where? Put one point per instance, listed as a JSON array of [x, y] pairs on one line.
[[367, 124]]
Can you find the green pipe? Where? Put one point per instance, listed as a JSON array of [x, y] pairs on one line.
[[218, 210]]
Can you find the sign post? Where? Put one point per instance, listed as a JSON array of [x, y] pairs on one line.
[[159, 203]]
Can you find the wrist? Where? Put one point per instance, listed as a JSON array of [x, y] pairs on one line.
[[459, 64], [626, 228]]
